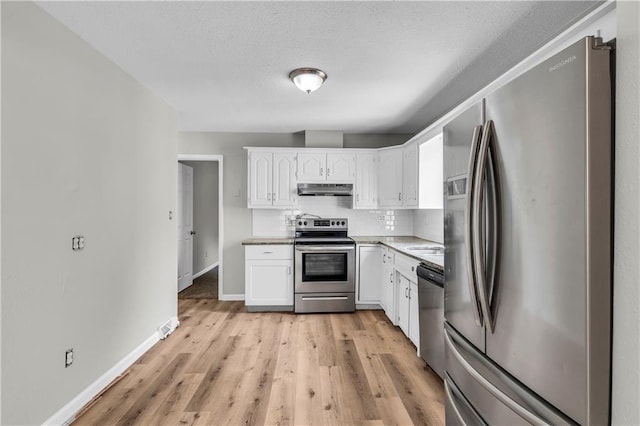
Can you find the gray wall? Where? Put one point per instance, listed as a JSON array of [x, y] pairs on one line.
[[626, 293], [205, 213], [85, 150], [237, 217]]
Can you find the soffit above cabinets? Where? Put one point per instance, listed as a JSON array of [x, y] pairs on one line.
[[393, 67]]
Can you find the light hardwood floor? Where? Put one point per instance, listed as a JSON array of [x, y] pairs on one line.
[[226, 366]]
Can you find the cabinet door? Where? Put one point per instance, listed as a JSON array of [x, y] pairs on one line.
[[366, 184], [369, 269], [390, 178], [312, 167], [260, 182], [410, 176], [414, 322], [341, 167], [284, 179], [269, 282], [388, 286], [402, 297]]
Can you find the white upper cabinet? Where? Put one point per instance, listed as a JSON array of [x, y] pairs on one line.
[[260, 181], [341, 167], [390, 178], [326, 167], [312, 167], [365, 194], [410, 159], [284, 179], [398, 177], [431, 183], [272, 179]]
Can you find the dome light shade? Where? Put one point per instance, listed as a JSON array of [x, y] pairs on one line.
[[308, 79]]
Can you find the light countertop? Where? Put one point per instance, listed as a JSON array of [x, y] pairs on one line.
[[400, 244]]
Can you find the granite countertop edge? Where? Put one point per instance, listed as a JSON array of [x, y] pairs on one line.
[[398, 243]]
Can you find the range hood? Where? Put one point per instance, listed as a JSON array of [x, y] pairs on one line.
[[336, 189]]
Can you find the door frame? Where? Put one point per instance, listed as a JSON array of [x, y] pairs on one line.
[[219, 159]]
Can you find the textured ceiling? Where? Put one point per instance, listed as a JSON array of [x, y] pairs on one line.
[[393, 67]]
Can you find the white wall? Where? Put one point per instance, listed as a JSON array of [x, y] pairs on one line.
[[429, 224], [626, 279], [85, 150], [205, 213], [237, 217]]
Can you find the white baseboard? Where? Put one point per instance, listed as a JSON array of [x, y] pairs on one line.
[[205, 270], [67, 413], [231, 297]]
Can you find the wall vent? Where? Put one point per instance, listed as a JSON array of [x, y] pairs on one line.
[[167, 328]]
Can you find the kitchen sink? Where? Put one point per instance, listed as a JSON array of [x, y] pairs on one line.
[[422, 250]]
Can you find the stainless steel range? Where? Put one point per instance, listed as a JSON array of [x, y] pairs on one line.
[[324, 266]]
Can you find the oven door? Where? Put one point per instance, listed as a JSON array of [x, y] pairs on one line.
[[325, 268]]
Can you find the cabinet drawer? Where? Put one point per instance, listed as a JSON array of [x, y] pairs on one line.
[[407, 266], [264, 252]]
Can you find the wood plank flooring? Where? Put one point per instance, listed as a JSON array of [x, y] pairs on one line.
[[226, 366]]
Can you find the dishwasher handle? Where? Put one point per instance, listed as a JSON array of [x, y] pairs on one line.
[[430, 275]]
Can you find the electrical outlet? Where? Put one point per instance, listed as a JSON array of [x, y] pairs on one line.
[[68, 358], [77, 243]]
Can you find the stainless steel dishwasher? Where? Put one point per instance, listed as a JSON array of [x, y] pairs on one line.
[[431, 317]]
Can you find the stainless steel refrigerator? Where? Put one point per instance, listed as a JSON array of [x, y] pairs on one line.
[[528, 247]]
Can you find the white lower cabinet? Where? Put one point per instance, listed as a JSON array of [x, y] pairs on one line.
[[269, 276], [407, 297], [402, 296], [387, 286], [414, 320], [407, 314], [369, 270]]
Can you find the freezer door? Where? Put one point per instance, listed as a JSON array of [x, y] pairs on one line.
[[460, 302], [477, 387], [552, 294]]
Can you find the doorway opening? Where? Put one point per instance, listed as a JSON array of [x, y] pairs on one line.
[[199, 226]]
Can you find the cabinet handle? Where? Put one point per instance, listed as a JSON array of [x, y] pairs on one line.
[[328, 171], [399, 196], [321, 171], [413, 268], [391, 278], [289, 270], [268, 196], [357, 198], [273, 196], [267, 252]]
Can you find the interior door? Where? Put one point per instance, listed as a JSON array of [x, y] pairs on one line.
[[185, 226], [459, 294]]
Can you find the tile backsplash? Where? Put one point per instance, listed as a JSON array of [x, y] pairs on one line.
[[429, 224], [280, 223]]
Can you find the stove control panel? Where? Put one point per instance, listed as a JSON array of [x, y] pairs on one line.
[[321, 224]]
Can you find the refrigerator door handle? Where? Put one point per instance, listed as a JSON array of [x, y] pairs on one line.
[[455, 398], [469, 221], [490, 387], [477, 234], [456, 410]]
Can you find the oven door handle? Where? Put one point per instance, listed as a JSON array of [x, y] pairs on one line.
[[335, 248]]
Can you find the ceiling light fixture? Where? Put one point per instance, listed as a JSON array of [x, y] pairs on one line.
[[308, 79]]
